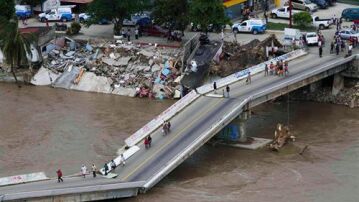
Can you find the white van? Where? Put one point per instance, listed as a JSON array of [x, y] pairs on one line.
[[63, 14]]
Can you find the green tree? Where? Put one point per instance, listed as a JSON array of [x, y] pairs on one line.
[[206, 12], [302, 19], [173, 12], [14, 44], [114, 10], [7, 9]]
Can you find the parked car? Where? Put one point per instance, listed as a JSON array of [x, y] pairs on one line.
[[350, 14], [138, 19], [321, 23], [348, 33], [306, 5], [283, 12], [60, 14], [312, 38], [153, 30], [323, 4], [331, 2], [83, 17], [251, 26], [23, 11]]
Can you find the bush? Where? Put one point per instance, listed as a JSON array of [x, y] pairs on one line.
[[302, 19], [74, 29]]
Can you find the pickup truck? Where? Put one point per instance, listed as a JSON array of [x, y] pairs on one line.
[[252, 26], [283, 12], [321, 23], [60, 14]]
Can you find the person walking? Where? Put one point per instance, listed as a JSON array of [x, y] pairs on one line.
[[265, 16], [94, 170], [106, 168], [235, 36], [149, 138], [266, 71], [215, 87], [83, 170], [271, 68], [123, 161], [59, 176], [146, 143], [342, 45], [249, 79], [337, 48], [227, 90], [128, 35], [350, 48], [320, 48], [113, 165], [332, 47], [222, 35]]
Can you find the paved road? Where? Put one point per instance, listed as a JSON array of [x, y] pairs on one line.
[[186, 127]]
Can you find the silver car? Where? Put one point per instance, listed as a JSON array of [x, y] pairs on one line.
[[348, 33], [306, 5]]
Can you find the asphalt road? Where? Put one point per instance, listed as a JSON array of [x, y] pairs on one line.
[[186, 127]]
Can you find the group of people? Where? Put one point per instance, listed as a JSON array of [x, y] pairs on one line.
[[280, 68], [127, 34], [339, 45], [83, 172], [148, 141], [166, 127]]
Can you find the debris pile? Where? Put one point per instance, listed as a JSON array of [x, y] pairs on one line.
[[145, 71], [281, 137], [236, 57]]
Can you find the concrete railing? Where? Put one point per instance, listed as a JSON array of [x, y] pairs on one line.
[[71, 191]]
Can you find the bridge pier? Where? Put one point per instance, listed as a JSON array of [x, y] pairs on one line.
[[338, 84], [236, 131]]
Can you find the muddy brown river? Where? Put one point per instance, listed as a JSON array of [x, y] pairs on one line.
[[42, 129]]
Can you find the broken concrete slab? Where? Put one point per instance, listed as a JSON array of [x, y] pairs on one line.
[[44, 77], [131, 92], [66, 79], [92, 83], [108, 61], [156, 68], [146, 53], [123, 61]]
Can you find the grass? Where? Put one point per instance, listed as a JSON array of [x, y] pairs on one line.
[[354, 2], [281, 26]]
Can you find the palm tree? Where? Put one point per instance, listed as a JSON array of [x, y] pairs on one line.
[[14, 44]]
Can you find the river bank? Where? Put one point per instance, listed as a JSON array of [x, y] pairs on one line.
[[348, 96]]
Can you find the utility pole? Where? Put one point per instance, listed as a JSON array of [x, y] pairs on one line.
[[290, 13]]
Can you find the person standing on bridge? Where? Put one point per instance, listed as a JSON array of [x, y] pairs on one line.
[[337, 48], [83, 170], [266, 71], [249, 79], [286, 70], [59, 176], [227, 90], [215, 87], [113, 164], [320, 48], [350, 48], [123, 161], [94, 169]]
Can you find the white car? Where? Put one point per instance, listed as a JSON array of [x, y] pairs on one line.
[[283, 12], [312, 38]]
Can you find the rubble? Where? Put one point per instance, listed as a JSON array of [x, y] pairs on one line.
[[237, 57], [122, 68], [281, 137]]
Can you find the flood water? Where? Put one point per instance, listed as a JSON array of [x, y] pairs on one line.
[[42, 129]]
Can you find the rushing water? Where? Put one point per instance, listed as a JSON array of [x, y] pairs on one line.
[[43, 129]]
